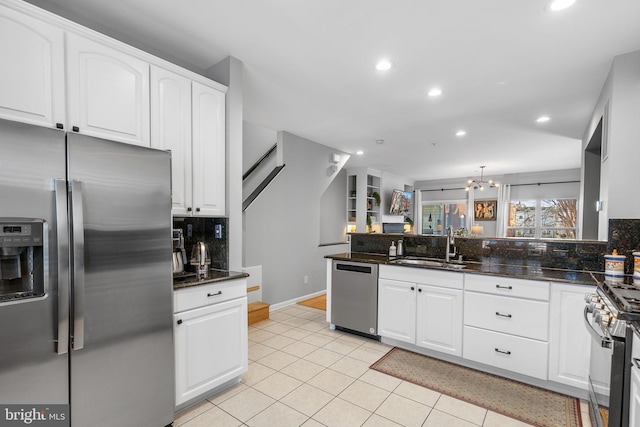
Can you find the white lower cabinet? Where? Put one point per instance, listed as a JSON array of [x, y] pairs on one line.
[[512, 353], [210, 342], [439, 319], [569, 340], [397, 310], [423, 307], [506, 324]]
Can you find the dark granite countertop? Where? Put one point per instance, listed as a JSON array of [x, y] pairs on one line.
[[186, 280], [518, 271]]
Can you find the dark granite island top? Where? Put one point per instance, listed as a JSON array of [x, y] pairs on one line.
[[185, 280], [518, 271]]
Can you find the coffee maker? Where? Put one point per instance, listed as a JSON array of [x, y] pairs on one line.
[[179, 254], [201, 259]]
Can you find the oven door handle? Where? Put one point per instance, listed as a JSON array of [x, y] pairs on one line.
[[605, 342]]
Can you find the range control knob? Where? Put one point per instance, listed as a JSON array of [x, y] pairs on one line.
[[590, 297], [605, 320]]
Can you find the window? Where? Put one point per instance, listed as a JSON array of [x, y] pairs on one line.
[[437, 217], [543, 218]]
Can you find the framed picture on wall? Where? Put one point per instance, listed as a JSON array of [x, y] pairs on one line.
[[485, 210]]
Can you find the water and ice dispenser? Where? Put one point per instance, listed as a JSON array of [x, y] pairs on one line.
[[23, 256]]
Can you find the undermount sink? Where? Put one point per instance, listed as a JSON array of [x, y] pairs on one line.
[[425, 262], [455, 265]]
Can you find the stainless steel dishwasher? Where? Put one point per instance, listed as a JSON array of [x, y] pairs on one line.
[[354, 296]]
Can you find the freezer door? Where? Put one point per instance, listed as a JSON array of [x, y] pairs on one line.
[[31, 370], [122, 339]]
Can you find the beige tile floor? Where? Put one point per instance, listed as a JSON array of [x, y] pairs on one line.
[[301, 373]]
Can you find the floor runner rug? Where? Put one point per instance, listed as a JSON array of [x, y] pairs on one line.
[[513, 399]]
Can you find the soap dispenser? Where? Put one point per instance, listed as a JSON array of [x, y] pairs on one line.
[[392, 249]]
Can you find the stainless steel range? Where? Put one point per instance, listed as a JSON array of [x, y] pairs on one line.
[[606, 316]]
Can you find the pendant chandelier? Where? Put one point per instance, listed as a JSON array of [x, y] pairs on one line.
[[478, 183]]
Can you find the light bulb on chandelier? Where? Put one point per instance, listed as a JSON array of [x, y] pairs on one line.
[[478, 183]]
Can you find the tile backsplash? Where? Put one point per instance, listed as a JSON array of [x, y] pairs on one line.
[[198, 229]]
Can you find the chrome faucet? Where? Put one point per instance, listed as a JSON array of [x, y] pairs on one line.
[[451, 240]]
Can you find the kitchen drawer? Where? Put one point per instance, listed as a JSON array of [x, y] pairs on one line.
[[211, 293], [522, 355], [523, 317], [507, 286], [422, 276]]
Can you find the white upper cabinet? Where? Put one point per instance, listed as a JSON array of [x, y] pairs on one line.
[[171, 130], [32, 71], [208, 110], [108, 92]]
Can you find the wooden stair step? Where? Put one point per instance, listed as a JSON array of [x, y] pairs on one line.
[[258, 311]]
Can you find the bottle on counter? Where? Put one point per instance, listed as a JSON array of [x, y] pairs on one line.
[[400, 249], [392, 249]]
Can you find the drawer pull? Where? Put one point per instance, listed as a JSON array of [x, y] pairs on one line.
[[214, 295], [502, 351], [503, 315], [503, 287]]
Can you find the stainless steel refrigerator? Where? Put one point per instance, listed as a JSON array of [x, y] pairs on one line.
[[85, 277]]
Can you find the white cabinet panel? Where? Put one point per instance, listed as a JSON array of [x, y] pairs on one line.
[[171, 130], [108, 92], [208, 110], [439, 319], [32, 71], [516, 354], [526, 318], [569, 340], [397, 310], [507, 286], [211, 347]]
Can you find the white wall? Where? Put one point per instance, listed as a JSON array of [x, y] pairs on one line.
[[282, 226], [229, 72], [620, 171], [257, 140]]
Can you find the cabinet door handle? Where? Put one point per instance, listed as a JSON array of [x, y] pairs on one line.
[[413, 289], [197, 209], [75, 129], [213, 295], [502, 351], [189, 209], [179, 322], [504, 287], [59, 126], [503, 315], [419, 289]]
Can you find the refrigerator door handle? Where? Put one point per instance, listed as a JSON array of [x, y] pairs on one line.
[[78, 264], [62, 231]]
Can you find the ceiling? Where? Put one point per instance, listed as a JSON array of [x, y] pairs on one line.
[[309, 69]]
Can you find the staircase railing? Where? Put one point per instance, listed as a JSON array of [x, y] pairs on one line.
[[265, 182]]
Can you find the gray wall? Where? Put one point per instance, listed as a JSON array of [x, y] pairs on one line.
[[282, 226], [621, 132]]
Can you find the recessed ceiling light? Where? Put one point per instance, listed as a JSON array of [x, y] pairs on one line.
[[543, 119], [435, 92], [461, 133], [384, 65], [557, 5], [359, 152]]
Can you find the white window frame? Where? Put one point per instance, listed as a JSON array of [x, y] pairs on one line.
[[538, 228]]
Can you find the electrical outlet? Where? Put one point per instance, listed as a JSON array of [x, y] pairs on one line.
[[306, 280]]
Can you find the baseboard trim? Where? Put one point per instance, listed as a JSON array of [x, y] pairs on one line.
[[291, 302]]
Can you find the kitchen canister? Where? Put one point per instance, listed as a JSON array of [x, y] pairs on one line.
[[614, 267], [636, 269]]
